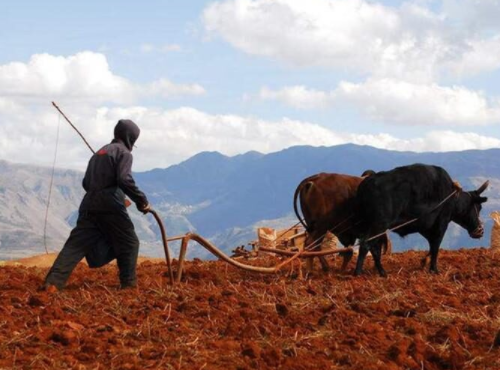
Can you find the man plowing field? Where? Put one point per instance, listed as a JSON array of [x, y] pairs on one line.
[[104, 230]]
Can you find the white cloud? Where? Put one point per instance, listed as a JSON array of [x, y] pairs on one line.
[[170, 136], [476, 15], [299, 97], [433, 141], [28, 122], [406, 103], [410, 55], [399, 102], [85, 76], [180, 133], [479, 56], [409, 42]]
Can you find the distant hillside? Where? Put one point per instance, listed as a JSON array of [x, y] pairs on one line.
[[221, 197], [23, 198], [229, 196]]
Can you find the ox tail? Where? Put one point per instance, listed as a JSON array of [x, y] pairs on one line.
[[305, 184]]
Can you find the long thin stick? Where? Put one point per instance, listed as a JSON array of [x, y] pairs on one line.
[[72, 125], [50, 188]]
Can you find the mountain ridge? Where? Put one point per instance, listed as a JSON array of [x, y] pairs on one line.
[[221, 197]]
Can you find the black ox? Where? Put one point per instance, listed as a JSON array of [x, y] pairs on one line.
[[388, 199]]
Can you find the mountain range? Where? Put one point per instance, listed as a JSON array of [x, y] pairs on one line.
[[220, 197]]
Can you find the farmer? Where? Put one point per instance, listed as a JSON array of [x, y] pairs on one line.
[[104, 230]]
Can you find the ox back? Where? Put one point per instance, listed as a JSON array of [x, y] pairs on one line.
[[389, 199]]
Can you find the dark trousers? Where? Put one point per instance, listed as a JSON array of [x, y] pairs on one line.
[[108, 235]]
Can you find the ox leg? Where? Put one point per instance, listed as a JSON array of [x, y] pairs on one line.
[[315, 240], [347, 256], [322, 259], [434, 246], [346, 240], [309, 261], [376, 250], [363, 251], [309, 264], [435, 238], [324, 264]]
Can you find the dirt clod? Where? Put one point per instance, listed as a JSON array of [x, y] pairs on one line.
[[281, 309], [251, 349], [65, 337], [37, 301]]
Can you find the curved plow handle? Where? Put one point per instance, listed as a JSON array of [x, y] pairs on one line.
[[165, 244]]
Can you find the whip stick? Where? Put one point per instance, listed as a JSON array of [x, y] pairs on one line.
[[153, 212], [72, 125]]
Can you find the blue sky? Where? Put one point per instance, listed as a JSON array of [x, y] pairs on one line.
[[241, 75]]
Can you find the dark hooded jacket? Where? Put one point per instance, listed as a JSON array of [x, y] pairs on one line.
[[109, 174]]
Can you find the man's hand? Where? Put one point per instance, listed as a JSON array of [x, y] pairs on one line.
[[144, 208]]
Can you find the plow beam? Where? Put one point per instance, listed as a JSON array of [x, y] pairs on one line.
[[221, 255]]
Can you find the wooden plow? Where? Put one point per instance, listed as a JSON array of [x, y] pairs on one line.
[[275, 248]]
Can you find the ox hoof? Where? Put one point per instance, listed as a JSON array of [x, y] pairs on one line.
[[358, 272], [382, 273], [434, 270]]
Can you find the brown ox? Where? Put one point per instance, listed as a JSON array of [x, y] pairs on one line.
[[327, 204]]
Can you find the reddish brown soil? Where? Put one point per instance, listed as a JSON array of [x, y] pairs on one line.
[[223, 318]]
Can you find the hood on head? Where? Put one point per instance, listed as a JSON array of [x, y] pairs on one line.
[[127, 132]]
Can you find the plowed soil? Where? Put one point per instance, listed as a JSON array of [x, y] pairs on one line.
[[223, 318]]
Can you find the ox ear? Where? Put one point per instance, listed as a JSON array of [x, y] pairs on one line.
[[483, 187], [483, 199]]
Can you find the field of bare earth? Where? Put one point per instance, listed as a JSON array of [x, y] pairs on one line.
[[219, 317]]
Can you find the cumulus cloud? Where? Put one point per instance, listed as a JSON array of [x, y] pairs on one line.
[[475, 15], [299, 97], [399, 102], [170, 136], [433, 141], [479, 56], [84, 76], [410, 55], [410, 42], [182, 132], [28, 127]]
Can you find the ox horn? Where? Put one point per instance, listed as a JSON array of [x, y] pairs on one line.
[[483, 187]]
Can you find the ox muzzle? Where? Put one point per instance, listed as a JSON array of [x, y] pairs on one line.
[[478, 232]]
